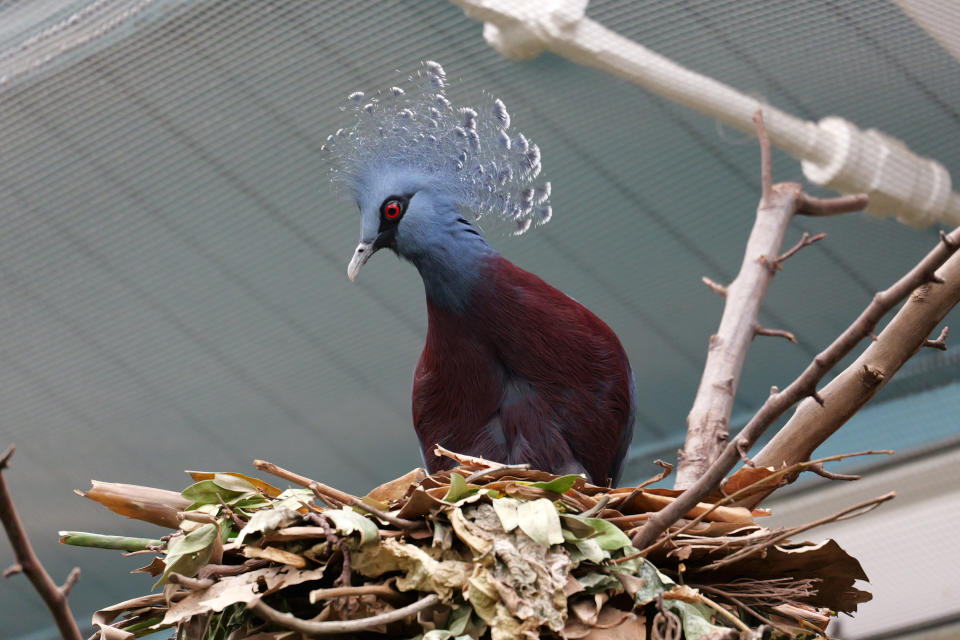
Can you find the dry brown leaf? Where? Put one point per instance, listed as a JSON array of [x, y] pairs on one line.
[[395, 490], [422, 503], [155, 568], [156, 506], [243, 588], [275, 554]]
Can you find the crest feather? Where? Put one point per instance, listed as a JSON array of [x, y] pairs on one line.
[[489, 171]]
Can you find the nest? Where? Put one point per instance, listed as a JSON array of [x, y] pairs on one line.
[[481, 551]]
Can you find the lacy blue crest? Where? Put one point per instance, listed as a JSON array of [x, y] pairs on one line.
[[489, 170]]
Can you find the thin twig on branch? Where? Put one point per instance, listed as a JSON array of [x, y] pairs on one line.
[[940, 342], [773, 480], [716, 287], [27, 561], [776, 333], [845, 514], [810, 206], [805, 385], [805, 241], [311, 628]]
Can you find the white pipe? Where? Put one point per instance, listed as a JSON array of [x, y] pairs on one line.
[[833, 152]]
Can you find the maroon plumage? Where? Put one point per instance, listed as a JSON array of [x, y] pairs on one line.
[[524, 373]]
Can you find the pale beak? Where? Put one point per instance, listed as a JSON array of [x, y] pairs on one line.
[[361, 255]]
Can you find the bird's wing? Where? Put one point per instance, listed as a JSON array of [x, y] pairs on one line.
[[570, 376]]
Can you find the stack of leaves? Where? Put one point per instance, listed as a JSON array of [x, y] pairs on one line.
[[481, 551]]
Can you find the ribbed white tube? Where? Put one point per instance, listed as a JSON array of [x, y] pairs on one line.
[[834, 152]]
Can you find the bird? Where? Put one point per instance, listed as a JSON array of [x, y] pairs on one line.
[[512, 369]]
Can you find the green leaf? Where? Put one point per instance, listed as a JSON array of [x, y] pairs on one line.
[[506, 509], [458, 488], [592, 551], [596, 582], [233, 483], [695, 618], [558, 485], [459, 617], [539, 520], [576, 528], [186, 555], [609, 536], [348, 521], [645, 583], [206, 492]]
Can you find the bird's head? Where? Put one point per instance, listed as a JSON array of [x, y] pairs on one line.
[[420, 168]]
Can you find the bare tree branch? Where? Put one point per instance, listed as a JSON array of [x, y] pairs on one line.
[[903, 336], [27, 561], [937, 300]]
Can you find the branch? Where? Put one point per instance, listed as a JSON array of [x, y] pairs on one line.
[[903, 336], [716, 287], [310, 628], [940, 342], [334, 496], [936, 300], [845, 514], [708, 420], [805, 241], [776, 333], [27, 561], [810, 206]]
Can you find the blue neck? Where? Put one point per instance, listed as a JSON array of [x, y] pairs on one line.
[[451, 263]]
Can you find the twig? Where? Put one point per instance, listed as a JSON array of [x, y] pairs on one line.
[[476, 475], [716, 287], [309, 627], [27, 561], [940, 342], [810, 206], [381, 590], [805, 241], [830, 475], [598, 507], [736, 601], [217, 570], [194, 584], [771, 479], [801, 387], [900, 339], [237, 520], [776, 333], [737, 622], [197, 516], [850, 512], [333, 496]]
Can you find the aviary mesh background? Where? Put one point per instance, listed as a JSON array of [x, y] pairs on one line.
[[172, 261]]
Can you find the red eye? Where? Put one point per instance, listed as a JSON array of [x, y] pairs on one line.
[[392, 210]]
